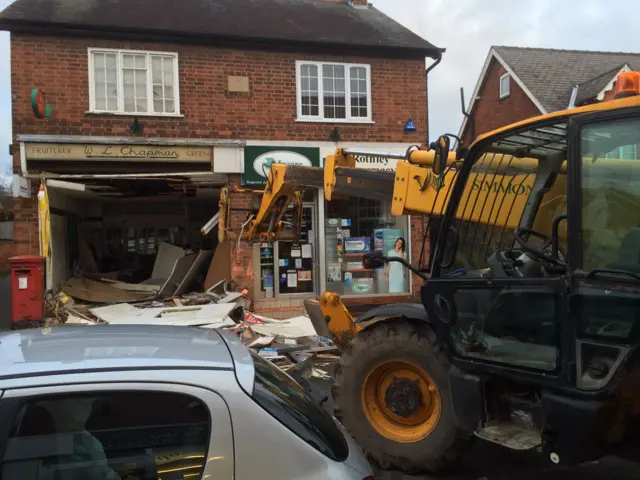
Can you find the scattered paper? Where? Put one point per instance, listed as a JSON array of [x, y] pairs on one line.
[[262, 341], [295, 253], [304, 276], [298, 263], [75, 320], [270, 353], [292, 280], [306, 250]]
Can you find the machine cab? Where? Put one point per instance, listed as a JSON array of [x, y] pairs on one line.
[[541, 286]]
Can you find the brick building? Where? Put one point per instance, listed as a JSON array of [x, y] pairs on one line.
[[136, 113], [519, 83]]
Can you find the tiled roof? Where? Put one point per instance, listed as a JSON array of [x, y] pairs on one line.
[[317, 22], [550, 75]]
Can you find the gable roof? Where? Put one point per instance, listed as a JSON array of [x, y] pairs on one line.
[[264, 22], [550, 75], [595, 87]]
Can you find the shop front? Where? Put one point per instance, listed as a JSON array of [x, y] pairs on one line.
[[335, 237], [111, 202]]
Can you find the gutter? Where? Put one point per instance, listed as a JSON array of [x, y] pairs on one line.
[[431, 67]]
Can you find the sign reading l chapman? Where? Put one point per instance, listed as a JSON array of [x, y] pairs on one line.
[[258, 160], [131, 153]]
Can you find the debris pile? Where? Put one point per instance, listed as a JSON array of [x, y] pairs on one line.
[[175, 294], [293, 344]]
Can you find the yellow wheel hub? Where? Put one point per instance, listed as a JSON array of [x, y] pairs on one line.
[[401, 401]]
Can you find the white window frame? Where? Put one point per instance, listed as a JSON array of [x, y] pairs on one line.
[[147, 53], [320, 117], [504, 94]]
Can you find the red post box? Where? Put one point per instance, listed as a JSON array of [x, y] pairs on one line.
[[27, 289]]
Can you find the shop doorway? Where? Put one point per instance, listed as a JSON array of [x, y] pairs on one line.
[[297, 261], [291, 269]]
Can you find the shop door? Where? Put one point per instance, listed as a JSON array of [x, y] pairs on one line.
[[297, 262]]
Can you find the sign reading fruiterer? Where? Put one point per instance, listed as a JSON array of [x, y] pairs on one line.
[[117, 153], [258, 161]]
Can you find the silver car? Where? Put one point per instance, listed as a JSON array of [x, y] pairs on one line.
[[152, 402]]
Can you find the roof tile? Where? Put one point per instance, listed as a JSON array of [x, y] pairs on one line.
[[550, 75], [295, 21]]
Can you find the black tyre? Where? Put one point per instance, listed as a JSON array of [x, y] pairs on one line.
[[391, 391]]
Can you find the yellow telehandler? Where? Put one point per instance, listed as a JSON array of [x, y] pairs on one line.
[[528, 329]]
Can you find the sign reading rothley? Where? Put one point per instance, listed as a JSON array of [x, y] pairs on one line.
[[258, 161], [130, 153]]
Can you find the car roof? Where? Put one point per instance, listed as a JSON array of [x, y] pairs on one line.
[[62, 350]]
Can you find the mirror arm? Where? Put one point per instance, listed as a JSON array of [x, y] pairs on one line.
[[415, 270]]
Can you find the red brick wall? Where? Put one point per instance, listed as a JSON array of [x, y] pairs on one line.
[[7, 250], [489, 112], [59, 67]]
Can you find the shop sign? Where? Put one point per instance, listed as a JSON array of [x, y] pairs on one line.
[[129, 153], [376, 163], [21, 187], [258, 161]]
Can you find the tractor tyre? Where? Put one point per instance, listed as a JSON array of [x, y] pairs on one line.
[[391, 391]]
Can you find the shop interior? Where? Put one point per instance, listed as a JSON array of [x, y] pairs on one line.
[[355, 227], [114, 227]]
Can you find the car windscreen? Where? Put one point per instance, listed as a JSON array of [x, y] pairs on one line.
[[287, 402]]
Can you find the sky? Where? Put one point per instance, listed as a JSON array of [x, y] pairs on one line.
[[467, 29]]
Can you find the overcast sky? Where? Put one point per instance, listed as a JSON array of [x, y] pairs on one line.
[[467, 29]]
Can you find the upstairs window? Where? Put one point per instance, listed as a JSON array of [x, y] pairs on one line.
[[505, 86], [133, 82], [333, 92]]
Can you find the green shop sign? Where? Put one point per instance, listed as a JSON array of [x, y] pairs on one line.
[[258, 161]]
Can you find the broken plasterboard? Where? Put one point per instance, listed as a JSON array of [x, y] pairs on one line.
[[180, 270], [212, 314], [296, 327], [202, 261], [100, 292], [114, 312], [166, 258], [132, 287]]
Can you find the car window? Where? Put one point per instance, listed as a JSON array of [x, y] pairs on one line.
[[108, 436], [287, 402]]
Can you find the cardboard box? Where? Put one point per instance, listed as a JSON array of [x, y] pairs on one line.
[[357, 244]]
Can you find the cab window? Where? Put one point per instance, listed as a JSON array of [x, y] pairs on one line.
[[110, 436], [611, 196]]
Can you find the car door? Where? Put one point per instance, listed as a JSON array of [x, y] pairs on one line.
[[114, 431]]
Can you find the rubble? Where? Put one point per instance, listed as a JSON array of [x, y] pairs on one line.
[[180, 291]]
